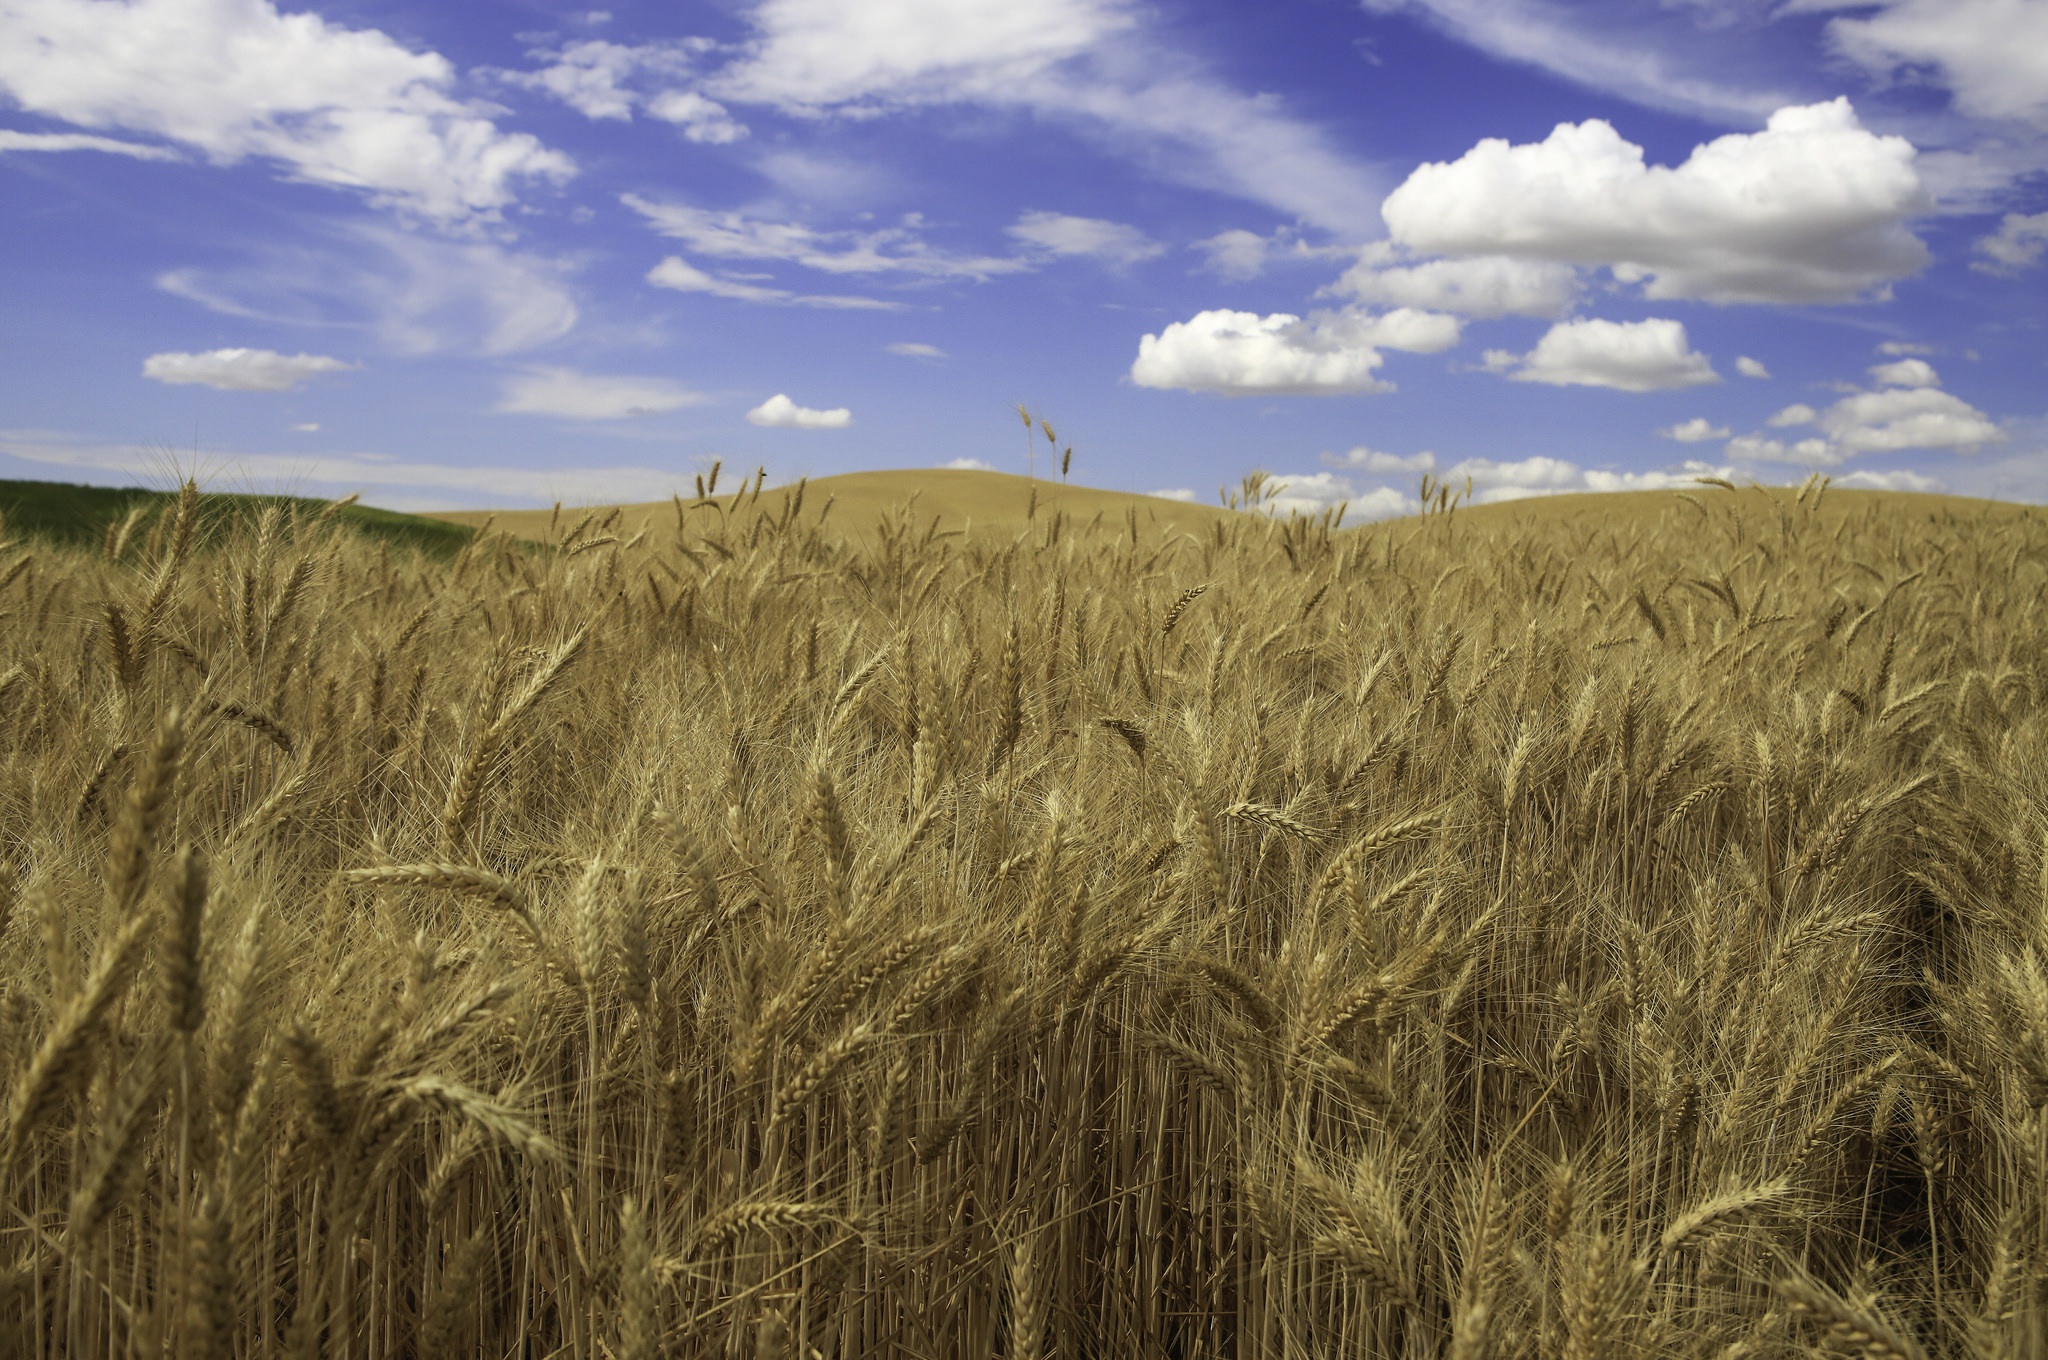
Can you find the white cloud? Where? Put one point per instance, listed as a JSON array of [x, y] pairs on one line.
[[1372, 460], [1184, 494], [1237, 255], [702, 120], [734, 236], [779, 412], [1813, 453], [1888, 420], [913, 350], [1686, 474], [1493, 481], [682, 276], [1904, 347], [1695, 431], [1234, 255], [607, 80], [1902, 479], [1906, 418], [1404, 328], [1113, 243], [553, 391], [309, 427], [241, 370], [1906, 373], [1244, 354], [1751, 368], [1484, 285], [1597, 51], [1811, 209], [1630, 356], [817, 54], [2016, 245], [237, 79], [387, 480], [1992, 54], [1081, 62], [417, 295], [81, 141], [968, 465], [591, 77], [1311, 493]]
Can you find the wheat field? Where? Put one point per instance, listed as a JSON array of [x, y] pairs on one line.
[[1479, 935]]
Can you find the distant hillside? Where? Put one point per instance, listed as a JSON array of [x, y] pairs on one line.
[[957, 498], [999, 502], [61, 512]]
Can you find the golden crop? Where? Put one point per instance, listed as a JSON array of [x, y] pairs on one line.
[[1483, 935]]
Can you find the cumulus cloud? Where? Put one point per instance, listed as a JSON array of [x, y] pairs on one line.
[[1698, 430], [1373, 460], [308, 427], [416, 294], [2016, 245], [236, 79], [1991, 54], [913, 350], [1184, 494], [679, 274], [1906, 418], [1751, 368], [1904, 347], [779, 412], [1493, 481], [241, 370], [1811, 209], [1911, 413], [892, 250], [968, 465], [1245, 354], [1899, 479], [551, 391], [82, 141], [1240, 354], [1629, 356], [1812, 453], [1114, 243], [1906, 373], [1484, 285]]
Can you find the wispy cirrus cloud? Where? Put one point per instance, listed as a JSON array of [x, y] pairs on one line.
[[400, 483], [11, 140], [900, 250], [679, 275], [415, 294], [557, 391]]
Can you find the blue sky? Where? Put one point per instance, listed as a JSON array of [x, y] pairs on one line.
[[465, 253]]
